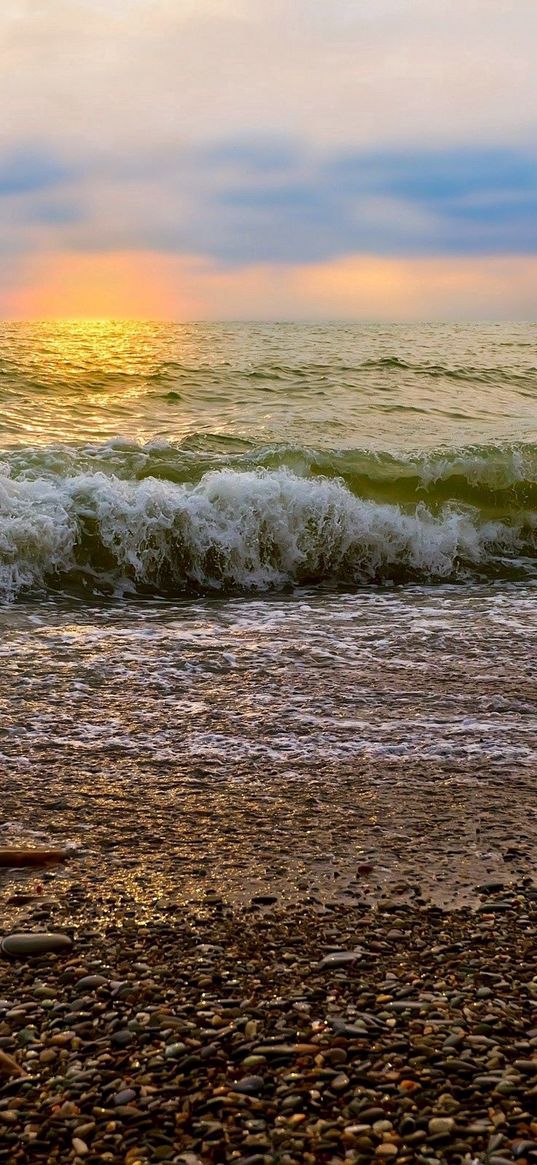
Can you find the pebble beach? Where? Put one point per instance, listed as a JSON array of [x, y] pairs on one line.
[[266, 1033]]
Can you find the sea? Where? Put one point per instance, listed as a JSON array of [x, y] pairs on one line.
[[268, 601]]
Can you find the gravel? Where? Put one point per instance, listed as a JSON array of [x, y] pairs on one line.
[[226, 1035]]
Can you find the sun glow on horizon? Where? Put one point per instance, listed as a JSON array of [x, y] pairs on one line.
[[97, 287], [142, 286]]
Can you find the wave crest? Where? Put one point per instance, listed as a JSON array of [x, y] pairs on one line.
[[240, 531]]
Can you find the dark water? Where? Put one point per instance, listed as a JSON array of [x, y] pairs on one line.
[[234, 558]]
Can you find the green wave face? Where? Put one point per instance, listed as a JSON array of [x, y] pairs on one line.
[[495, 477], [200, 518]]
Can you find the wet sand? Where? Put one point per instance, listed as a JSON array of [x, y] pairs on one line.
[[355, 833], [211, 1028]]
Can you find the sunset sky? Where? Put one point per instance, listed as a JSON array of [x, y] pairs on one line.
[[239, 159]]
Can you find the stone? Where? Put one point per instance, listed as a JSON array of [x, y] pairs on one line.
[[80, 1147], [406, 1005], [48, 1056], [29, 943], [338, 959], [125, 1096], [249, 1085], [26, 1036], [373, 1113], [340, 1083], [175, 1051], [288, 1050], [121, 1039], [15, 858], [90, 983], [350, 1030], [441, 1126]]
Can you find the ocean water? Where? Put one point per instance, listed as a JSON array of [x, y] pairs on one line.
[[238, 560]]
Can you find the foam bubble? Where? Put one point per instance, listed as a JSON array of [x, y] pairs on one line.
[[254, 531]]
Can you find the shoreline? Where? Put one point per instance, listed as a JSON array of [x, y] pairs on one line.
[[355, 833], [227, 1033]]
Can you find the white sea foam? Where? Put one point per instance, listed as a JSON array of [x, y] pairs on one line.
[[255, 530]]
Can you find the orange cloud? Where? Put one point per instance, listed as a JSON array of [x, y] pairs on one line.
[[428, 288], [151, 285], [371, 287], [113, 285]]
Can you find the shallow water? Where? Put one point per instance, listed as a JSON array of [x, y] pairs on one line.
[[276, 742], [444, 674], [269, 602]]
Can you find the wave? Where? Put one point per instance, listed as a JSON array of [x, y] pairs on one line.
[[378, 369], [304, 374], [472, 373], [496, 478], [243, 530]]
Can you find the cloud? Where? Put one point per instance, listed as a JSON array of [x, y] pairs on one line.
[[266, 133], [116, 76], [241, 202], [27, 171]]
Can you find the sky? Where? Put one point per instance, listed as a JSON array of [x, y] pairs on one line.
[[268, 159]]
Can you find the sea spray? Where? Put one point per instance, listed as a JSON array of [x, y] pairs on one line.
[[232, 531]]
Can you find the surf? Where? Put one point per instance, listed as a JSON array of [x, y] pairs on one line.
[[252, 530]]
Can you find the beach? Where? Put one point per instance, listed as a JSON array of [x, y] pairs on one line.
[[179, 747], [274, 981], [269, 1034], [268, 582], [267, 646]]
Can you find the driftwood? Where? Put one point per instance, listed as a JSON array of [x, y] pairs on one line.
[[9, 1066], [31, 857]]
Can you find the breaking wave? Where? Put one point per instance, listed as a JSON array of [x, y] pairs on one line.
[[126, 526]]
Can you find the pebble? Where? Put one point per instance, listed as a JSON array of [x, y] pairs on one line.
[[8, 1116], [250, 1085], [175, 1051], [48, 1055], [79, 1147], [441, 1126], [90, 983], [340, 1083], [121, 1039], [125, 1096], [35, 943], [338, 959], [494, 907], [271, 1050], [132, 1045], [351, 1030]]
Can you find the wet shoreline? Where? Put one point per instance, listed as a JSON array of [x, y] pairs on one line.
[[355, 834]]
